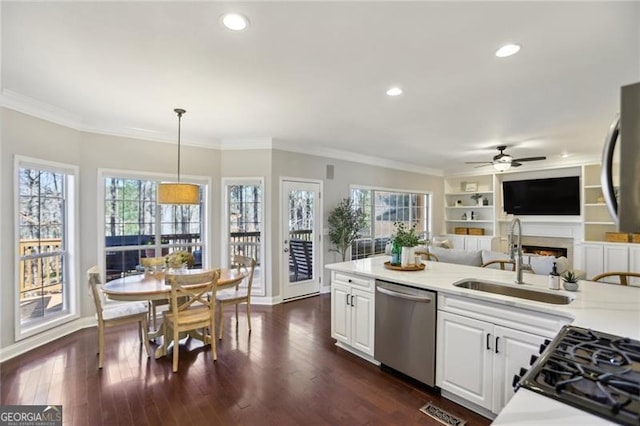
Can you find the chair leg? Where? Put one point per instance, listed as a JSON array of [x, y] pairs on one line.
[[176, 348], [236, 315], [219, 307], [100, 345], [140, 330], [249, 315], [153, 316], [145, 335], [212, 334]]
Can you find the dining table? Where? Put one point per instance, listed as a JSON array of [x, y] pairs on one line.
[[152, 286]]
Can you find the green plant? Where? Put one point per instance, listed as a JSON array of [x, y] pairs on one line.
[[476, 197], [345, 223], [406, 237], [177, 258], [570, 277]]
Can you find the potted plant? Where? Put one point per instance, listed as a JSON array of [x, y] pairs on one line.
[[345, 223], [181, 259], [406, 239], [570, 281], [477, 198]]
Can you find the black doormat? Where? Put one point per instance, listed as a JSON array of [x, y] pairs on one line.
[[441, 415]]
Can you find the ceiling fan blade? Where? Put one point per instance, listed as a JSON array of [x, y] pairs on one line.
[[515, 164], [530, 159], [477, 162], [482, 165]]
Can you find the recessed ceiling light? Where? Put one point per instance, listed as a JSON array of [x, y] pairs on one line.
[[507, 50], [235, 21], [394, 91]]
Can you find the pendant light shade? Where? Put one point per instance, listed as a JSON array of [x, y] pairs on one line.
[[177, 192]]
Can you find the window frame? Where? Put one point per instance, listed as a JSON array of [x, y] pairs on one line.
[[71, 262], [429, 207], [103, 173]]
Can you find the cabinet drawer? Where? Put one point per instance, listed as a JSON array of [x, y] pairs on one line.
[[517, 318], [352, 280]]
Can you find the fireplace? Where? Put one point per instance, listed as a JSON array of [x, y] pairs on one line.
[[545, 251]]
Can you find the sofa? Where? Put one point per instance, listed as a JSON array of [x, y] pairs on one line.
[[541, 265]]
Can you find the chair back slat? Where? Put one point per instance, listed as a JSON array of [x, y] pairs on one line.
[[95, 283], [622, 276], [189, 289]]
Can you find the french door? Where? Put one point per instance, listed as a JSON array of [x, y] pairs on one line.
[[300, 238]]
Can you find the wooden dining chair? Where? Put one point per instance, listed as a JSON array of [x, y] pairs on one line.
[[151, 263], [241, 294], [110, 313], [502, 263], [623, 277], [427, 255], [193, 307]]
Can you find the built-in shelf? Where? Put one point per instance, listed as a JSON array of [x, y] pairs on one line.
[[594, 204], [460, 194], [599, 223], [592, 186], [554, 220], [469, 221], [469, 207]]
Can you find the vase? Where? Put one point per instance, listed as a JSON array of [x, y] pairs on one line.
[[407, 256]]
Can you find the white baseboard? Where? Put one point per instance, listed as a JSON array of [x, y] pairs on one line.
[[45, 337], [264, 300]]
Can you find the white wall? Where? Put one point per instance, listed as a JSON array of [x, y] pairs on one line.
[[28, 136], [33, 137]]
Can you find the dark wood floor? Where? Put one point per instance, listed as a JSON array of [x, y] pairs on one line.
[[287, 372]]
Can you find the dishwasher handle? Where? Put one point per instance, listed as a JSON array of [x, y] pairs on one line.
[[424, 299]]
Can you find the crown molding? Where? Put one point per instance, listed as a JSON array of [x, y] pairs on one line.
[[38, 109], [356, 158]]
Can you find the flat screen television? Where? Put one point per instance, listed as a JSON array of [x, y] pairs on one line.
[[552, 196]]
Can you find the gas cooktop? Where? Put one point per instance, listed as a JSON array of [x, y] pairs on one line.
[[591, 370]]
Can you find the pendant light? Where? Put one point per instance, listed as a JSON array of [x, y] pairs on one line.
[[176, 192]]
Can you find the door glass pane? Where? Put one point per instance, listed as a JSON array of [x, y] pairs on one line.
[[301, 238]]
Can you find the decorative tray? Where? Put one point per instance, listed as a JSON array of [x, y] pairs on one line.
[[419, 267]]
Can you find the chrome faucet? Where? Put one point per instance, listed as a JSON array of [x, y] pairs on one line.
[[515, 250]]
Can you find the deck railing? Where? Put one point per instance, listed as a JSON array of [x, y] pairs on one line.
[[39, 274]]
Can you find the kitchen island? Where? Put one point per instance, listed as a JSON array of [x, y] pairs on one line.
[[609, 308]]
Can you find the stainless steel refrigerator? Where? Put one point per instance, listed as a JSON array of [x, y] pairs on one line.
[[626, 131]]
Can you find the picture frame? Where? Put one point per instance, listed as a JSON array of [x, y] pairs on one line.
[[470, 186]]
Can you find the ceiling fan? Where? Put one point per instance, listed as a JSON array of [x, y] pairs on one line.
[[502, 162]]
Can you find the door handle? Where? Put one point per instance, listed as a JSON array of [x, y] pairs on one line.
[[606, 177], [352, 300], [403, 295], [347, 300], [488, 338], [497, 338]]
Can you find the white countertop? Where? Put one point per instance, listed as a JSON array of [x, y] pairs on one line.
[[609, 308]]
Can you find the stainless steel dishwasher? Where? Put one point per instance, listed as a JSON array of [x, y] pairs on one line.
[[406, 330]]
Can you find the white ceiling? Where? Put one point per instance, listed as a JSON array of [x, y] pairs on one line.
[[313, 75]]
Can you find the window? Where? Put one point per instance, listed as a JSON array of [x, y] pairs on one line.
[[244, 217], [135, 226], [382, 209], [46, 294]]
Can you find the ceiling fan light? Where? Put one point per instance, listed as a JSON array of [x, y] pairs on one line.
[[501, 166]]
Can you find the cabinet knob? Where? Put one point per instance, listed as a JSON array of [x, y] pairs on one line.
[[349, 280], [516, 381], [533, 359]]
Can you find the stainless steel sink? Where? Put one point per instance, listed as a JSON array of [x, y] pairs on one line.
[[522, 293]]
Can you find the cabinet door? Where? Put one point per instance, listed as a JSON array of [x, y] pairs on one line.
[[634, 264], [485, 243], [362, 321], [471, 243], [593, 259], [464, 358], [512, 351], [616, 258], [340, 313]]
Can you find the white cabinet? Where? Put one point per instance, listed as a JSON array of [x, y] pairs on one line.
[[472, 243], [352, 311], [611, 257], [481, 359], [479, 350], [597, 220]]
